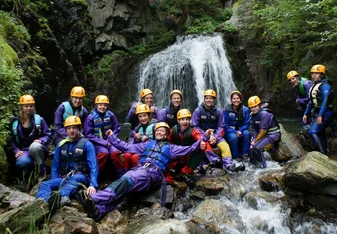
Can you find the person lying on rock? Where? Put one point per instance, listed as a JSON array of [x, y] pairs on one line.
[[143, 132], [74, 165], [169, 113], [266, 131], [155, 156], [95, 126]]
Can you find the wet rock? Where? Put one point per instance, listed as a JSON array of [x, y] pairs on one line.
[[197, 195], [21, 219], [271, 181], [234, 186], [10, 199], [155, 197], [113, 222], [180, 187], [260, 199], [156, 210], [326, 206], [289, 147], [210, 185], [332, 144], [69, 220], [314, 173]]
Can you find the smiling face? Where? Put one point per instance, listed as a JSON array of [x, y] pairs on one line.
[[102, 107], [161, 133], [143, 118], [28, 109], [148, 100], [73, 131], [77, 101], [209, 101], [176, 100], [236, 101], [294, 81], [184, 123], [255, 109]]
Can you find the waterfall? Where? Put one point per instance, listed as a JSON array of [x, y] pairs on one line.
[[193, 64]]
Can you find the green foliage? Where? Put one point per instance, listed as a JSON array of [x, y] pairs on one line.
[[82, 2]]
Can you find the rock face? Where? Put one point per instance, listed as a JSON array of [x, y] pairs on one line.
[[289, 147], [11, 199]]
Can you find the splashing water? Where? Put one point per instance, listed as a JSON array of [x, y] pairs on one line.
[[193, 64]]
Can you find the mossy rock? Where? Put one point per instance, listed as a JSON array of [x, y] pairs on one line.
[[3, 166]]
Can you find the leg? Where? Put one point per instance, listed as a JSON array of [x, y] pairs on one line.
[[71, 185], [46, 187], [233, 141], [102, 157], [135, 159], [245, 142], [128, 160], [117, 162], [37, 151], [25, 162], [225, 154]]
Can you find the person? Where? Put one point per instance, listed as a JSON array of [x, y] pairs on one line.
[[301, 87], [208, 116], [266, 131], [155, 157], [30, 138], [169, 113], [96, 124], [74, 165], [72, 107], [320, 107], [237, 121], [143, 132], [146, 97]]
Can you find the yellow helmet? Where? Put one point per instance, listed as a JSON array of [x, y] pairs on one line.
[[253, 101], [183, 113], [292, 74], [72, 120], [77, 91], [142, 108], [26, 99], [161, 124], [318, 68], [210, 92], [177, 91], [144, 92], [102, 99], [237, 93]]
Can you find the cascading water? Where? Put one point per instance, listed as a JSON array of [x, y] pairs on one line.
[[193, 64]]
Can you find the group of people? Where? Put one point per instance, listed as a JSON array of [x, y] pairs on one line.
[[162, 145]]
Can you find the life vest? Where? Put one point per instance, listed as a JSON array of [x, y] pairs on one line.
[[68, 110], [160, 155], [187, 139], [146, 130], [208, 121], [273, 128], [316, 97], [77, 156], [300, 90], [37, 121], [235, 120], [101, 125], [171, 116]]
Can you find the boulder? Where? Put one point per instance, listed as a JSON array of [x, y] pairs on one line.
[[113, 222], [314, 173], [261, 199], [272, 180], [10, 199], [289, 147], [210, 185]]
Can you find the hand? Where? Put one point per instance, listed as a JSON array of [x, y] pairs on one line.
[[252, 144], [153, 108], [296, 101], [38, 141], [239, 134], [319, 120], [145, 138], [138, 136], [108, 145], [18, 154], [91, 190], [304, 119], [109, 133], [202, 145], [209, 132]]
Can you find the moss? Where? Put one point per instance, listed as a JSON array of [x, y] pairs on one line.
[[82, 2], [3, 166]]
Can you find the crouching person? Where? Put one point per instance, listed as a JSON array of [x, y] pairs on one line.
[[155, 156], [74, 165]]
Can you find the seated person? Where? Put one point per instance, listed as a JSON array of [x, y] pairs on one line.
[[169, 113]]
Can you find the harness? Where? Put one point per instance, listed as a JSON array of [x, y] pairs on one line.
[[77, 156], [101, 125], [159, 152], [171, 116], [37, 121], [68, 110], [208, 118], [187, 138], [273, 128], [316, 97]]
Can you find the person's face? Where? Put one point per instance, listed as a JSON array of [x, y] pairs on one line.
[[143, 118], [294, 81], [209, 101], [160, 133], [184, 123], [77, 101], [255, 109], [236, 101], [316, 76], [73, 131], [148, 100], [102, 107], [176, 100], [28, 109]]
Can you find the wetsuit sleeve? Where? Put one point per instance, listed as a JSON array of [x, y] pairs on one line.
[[161, 115], [196, 135], [54, 172], [308, 109], [246, 120], [253, 128], [266, 121], [178, 151], [89, 132], [219, 133], [155, 113], [58, 122], [92, 162], [85, 114], [228, 129], [116, 128], [125, 147], [196, 121], [45, 133], [326, 92], [14, 143], [131, 113]]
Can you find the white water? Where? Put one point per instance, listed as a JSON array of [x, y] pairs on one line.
[[193, 64]]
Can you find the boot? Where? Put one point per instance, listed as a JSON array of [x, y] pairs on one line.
[[236, 167], [88, 205], [65, 201], [189, 180]]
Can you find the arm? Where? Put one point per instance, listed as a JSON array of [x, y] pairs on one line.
[[45, 133], [196, 134], [116, 128], [92, 162], [246, 122], [161, 115], [131, 113], [326, 92], [178, 151], [266, 120], [228, 129], [195, 122], [54, 173], [89, 132], [58, 122], [85, 114], [220, 131], [14, 144], [125, 147]]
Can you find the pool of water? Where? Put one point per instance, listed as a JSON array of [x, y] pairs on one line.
[[290, 124]]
